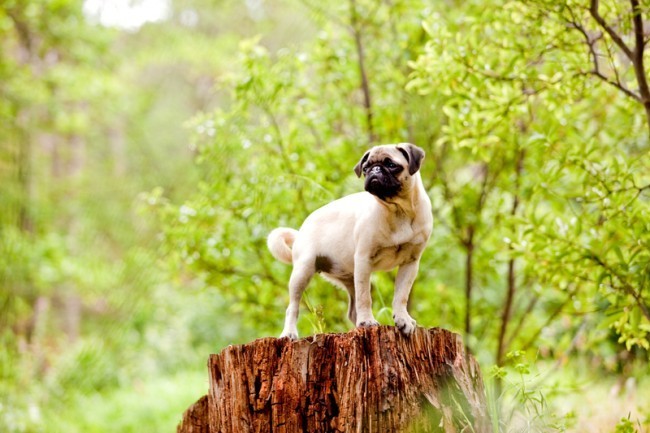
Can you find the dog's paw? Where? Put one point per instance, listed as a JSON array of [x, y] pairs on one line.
[[367, 323], [291, 335], [405, 324]]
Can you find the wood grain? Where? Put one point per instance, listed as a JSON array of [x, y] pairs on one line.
[[367, 380]]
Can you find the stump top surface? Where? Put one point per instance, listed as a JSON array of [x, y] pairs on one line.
[[422, 337]]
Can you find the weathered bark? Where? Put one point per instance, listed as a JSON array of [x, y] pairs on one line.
[[195, 418], [367, 380]]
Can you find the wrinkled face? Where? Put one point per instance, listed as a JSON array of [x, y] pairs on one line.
[[382, 171], [388, 169]]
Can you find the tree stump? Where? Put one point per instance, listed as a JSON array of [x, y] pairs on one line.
[[367, 380]]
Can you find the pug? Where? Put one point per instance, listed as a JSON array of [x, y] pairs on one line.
[[385, 227]]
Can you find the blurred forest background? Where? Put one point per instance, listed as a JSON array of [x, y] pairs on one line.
[[143, 163]]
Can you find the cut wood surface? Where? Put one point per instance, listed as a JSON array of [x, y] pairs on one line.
[[367, 380]]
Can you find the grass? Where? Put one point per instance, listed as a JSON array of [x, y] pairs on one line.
[[600, 404], [574, 398], [147, 406]]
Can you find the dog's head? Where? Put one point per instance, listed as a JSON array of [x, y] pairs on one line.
[[389, 169]]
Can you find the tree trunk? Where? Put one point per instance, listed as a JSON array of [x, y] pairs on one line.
[[367, 380]]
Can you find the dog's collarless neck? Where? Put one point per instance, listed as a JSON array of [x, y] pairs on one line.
[[399, 205]]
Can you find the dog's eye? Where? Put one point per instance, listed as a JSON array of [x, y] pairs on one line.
[[390, 164]]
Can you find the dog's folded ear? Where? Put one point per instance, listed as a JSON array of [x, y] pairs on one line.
[[359, 167], [413, 154]]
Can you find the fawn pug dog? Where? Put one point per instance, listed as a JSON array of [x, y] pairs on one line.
[[385, 227]]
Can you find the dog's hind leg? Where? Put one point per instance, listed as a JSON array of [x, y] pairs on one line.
[[300, 277]]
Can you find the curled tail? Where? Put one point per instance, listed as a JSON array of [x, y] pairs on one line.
[[280, 241]]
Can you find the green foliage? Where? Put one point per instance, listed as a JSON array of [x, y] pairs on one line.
[[538, 185], [521, 171], [151, 405], [579, 187], [527, 397], [87, 308]]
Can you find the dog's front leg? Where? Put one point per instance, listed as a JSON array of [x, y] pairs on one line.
[[362, 271], [403, 283]]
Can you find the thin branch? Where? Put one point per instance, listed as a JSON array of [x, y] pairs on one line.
[[635, 56], [593, 10], [627, 287], [522, 319], [589, 255], [611, 56], [637, 20], [593, 54], [511, 281], [440, 173], [619, 86], [549, 319], [278, 135], [639, 68], [365, 87]]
